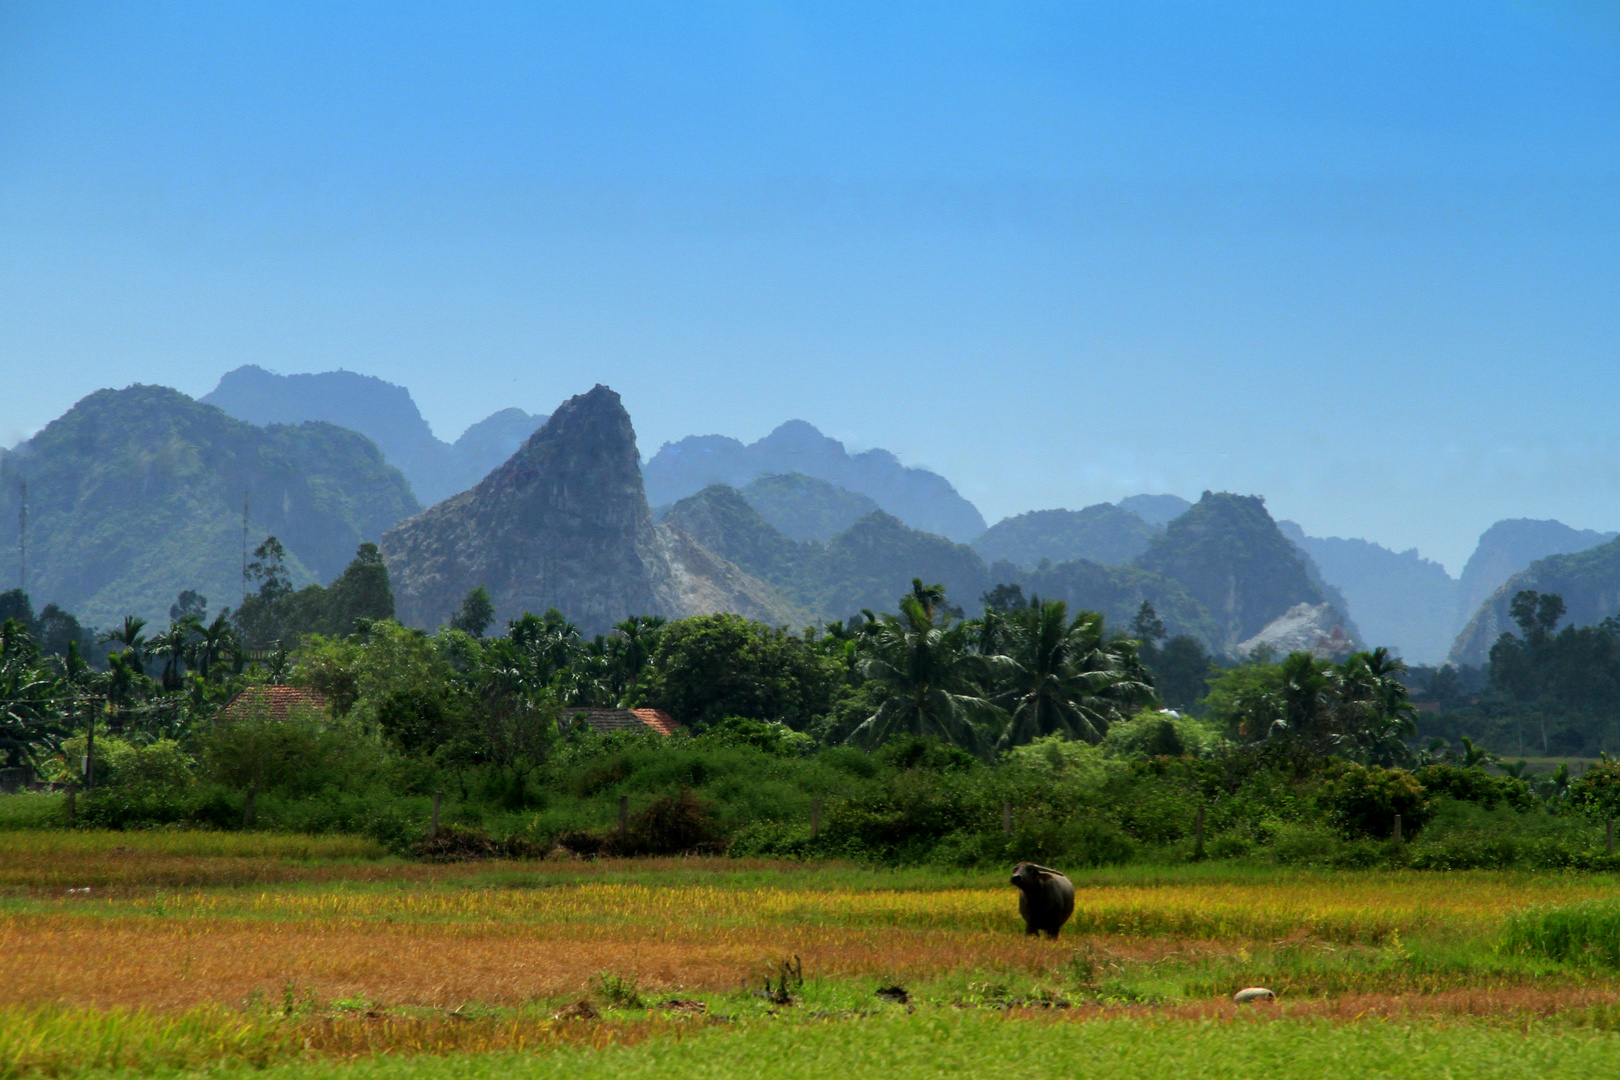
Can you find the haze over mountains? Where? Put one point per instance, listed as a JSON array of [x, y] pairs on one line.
[[922, 499], [136, 494], [385, 414], [564, 523]]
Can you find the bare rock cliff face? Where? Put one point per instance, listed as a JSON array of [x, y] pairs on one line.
[[564, 523]]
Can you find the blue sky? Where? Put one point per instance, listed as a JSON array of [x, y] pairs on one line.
[[1361, 258]]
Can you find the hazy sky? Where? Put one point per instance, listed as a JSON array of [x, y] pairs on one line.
[[1361, 258]]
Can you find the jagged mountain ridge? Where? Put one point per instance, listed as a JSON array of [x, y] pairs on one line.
[[1104, 533], [1398, 599], [383, 412], [806, 508], [565, 523], [1510, 546], [1157, 510], [1228, 553], [922, 499], [136, 494], [868, 565], [1589, 582], [872, 563]]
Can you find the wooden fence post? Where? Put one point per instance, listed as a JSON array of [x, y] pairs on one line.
[[1397, 828], [1006, 819], [433, 831], [1609, 838], [70, 808], [247, 808], [815, 817], [90, 752], [1198, 834], [624, 818]]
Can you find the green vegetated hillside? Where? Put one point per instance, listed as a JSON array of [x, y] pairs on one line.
[[806, 508], [1229, 555], [1511, 546], [1103, 533], [136, 494], [1227, 570], [867, 565], [383, 413], [1588, 581], [1118, 592]]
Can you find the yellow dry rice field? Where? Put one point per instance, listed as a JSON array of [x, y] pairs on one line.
[[154, 949]]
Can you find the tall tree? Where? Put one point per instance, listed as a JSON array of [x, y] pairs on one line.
[[30, 702], [212, 644], [1066, 678], [1377, 714], [929, 680], [477, 611], [131, 637], [172, 646]]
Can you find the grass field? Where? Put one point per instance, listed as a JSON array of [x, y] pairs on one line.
[[147, 953]]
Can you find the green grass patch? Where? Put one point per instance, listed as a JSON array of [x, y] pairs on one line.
[[977, 1044], [32, 810], [1586, 933], [184, 843]]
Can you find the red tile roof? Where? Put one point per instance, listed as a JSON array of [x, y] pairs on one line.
[[606, 720], [278, 702], [659, 720]]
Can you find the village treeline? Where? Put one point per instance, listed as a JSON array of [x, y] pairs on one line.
[[919, 734]]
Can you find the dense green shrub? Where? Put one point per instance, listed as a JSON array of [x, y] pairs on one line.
[[1474, 784], [1597, 792], [1364, 801], [300, 754], [716, 666]]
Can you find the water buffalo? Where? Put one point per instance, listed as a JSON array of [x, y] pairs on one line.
[[1045, 898]]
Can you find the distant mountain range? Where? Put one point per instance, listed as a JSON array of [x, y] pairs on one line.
[[922, 499], [136, 494], [565, 523], [870, 564], [385, 414], [1103, 533], [1399, 599], [1588, 581], [1221, 572]]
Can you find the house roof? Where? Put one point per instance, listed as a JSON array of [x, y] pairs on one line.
[[278, 702], [609, 720]]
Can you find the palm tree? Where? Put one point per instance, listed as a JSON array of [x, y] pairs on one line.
[[931, 597], [631, 647], [549, 643], [1066, 678], [130, 637], [927, 678], [172, 647], [29, 700], [124, 682], [213, 642], [1377, 715]]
